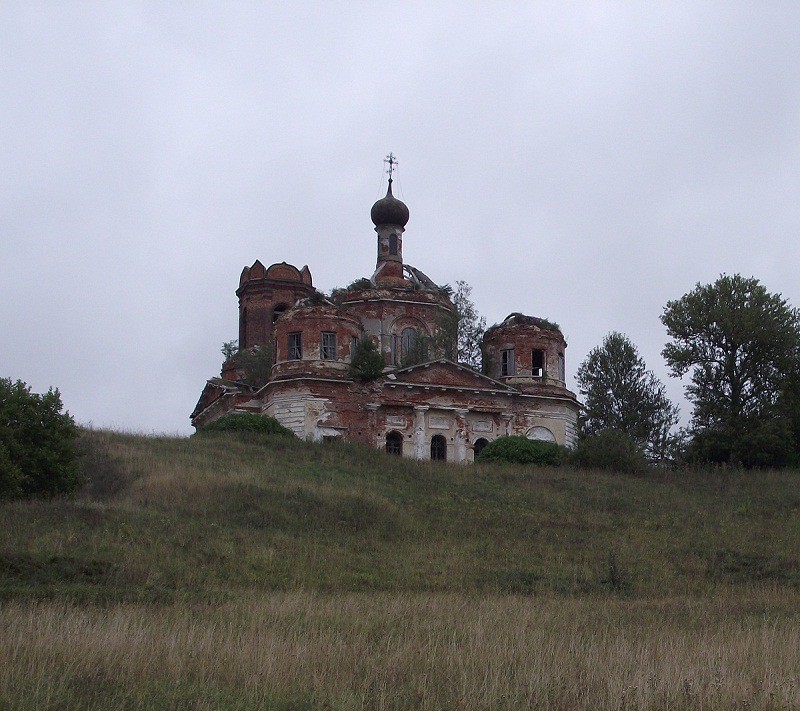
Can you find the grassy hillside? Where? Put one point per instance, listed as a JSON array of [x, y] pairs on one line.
[[205, 518], [216, 573]]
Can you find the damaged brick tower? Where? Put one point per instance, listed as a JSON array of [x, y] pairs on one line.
[[424, 405]]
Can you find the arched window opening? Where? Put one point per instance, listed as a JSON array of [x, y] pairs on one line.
[[277, 311], [479, 445], [538, 362], [439, 449], [394, 443], [408, 341], [393, 244]]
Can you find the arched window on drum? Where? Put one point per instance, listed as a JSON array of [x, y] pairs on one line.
[[408, 340]]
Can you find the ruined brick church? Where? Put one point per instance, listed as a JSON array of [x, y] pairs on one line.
[[436, 409]]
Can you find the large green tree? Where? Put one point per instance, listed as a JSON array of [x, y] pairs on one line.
[[460, 333], [38, 453], [621, 394], [740, 344]]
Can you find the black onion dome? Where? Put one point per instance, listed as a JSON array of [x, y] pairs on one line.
[[389, 210]]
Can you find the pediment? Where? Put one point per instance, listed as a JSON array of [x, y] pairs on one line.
[[447, 374], [214, 389]]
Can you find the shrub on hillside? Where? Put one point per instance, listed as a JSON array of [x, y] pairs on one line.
[[516, 449], [247, 422], [38, 453], [609, 449]]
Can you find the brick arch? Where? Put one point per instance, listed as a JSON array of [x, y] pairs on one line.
[[402, 322]]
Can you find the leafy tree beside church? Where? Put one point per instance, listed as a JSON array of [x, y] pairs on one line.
[[621, 394], [740, 346]]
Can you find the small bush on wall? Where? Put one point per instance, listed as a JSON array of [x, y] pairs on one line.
[[367, 362]]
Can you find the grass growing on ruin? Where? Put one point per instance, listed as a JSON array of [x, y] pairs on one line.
[[219, 573]]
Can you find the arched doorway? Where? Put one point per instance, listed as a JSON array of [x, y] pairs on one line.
[[394, 443], [479, 445], [439, 448]]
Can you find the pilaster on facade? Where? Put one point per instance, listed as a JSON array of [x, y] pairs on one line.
[[420, 432], [461, 441]]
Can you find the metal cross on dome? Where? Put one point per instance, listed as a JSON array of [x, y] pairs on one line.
[[391, 161]]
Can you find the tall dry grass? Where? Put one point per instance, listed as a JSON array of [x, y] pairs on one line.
[[387, 651], [216, 573]]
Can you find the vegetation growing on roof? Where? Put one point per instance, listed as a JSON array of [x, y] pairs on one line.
[[518, 319], [254, 364], [361, 284], [315, 298]]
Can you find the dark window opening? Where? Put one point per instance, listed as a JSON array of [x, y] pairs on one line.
[[439, 449], [394, 443], [327, 346], [538, 363], [295, 346], [353, 346], [408, 341], [243, 328], [479, 445], [393, 243], [507, 362], [277, 311]]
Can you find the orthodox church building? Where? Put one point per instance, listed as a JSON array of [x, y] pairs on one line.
[[435, 409]]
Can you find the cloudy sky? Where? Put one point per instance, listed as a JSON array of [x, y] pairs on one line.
[[585, 162]]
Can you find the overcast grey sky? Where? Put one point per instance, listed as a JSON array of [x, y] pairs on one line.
[[585, 162]]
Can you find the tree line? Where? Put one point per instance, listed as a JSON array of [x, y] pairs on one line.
[[739, 345]]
